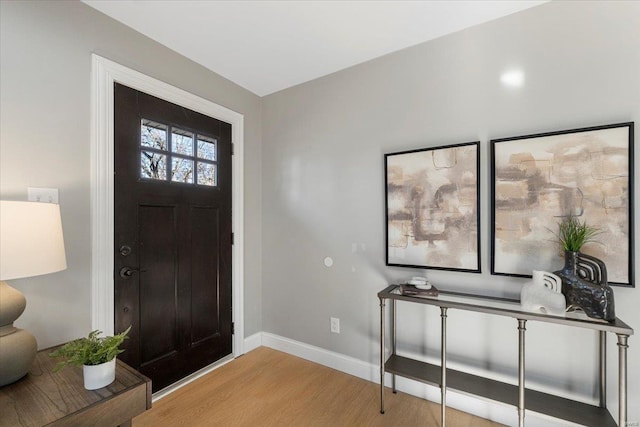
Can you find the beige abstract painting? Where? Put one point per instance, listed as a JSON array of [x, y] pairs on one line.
[[540, 179], [432, 208]]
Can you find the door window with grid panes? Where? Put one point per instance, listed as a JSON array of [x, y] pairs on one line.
[[172, 154]]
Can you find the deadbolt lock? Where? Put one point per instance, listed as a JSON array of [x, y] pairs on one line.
[[126, 272]]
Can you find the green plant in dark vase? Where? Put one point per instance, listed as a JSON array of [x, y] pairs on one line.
[[89, 351], [573, 234], [584, 277]]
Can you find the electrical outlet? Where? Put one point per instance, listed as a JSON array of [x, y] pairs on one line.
[[42, 195], [335, 325]]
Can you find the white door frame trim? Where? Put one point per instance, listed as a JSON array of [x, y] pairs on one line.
[[104, 74]]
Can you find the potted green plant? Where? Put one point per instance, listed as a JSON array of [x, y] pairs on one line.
[[584, 277], [573, 234], [96, 355]]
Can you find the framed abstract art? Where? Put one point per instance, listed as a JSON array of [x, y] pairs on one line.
[[538, 180], [432, 208]]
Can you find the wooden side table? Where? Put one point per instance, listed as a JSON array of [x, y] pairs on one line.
[[60, 399]]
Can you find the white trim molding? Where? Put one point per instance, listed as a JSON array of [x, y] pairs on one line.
[[104, 74], [252, 342], [328, 358]]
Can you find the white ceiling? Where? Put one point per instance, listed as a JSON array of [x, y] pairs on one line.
[[267, 46]]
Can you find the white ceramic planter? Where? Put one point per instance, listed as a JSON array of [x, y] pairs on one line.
[[98, 376]]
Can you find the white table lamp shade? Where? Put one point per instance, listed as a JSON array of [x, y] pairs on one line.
[[31, 244], [31, 241]]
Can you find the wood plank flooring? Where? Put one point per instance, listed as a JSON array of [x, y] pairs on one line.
[[266, 387]]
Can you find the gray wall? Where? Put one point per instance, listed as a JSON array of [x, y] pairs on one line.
[[45, 134], [322, 174], [323, 182]]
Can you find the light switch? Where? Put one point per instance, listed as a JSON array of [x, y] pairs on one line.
[[43, 195]]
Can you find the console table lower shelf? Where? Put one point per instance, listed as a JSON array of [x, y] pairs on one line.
[[542, 403], [44, 398]]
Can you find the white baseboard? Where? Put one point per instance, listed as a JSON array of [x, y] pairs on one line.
[[331, 359], [500, 413], [252, 342]]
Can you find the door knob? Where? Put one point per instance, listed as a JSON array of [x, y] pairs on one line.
[[126, 272]]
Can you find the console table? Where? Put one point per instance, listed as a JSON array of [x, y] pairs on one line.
[[60, 399], [543, 403]]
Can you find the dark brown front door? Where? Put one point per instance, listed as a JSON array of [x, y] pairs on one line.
[[172, 260]]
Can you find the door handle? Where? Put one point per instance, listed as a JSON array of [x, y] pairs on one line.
[[126, 272]]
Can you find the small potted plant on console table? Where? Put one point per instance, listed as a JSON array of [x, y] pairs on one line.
[[584, 277], [96, 355]]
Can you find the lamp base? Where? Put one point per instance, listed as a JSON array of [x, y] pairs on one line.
[[18, 347], [17, 353]]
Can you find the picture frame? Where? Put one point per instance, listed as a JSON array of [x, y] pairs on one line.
[[538, 180], [432, 208]]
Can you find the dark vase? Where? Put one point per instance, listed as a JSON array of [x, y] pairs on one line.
[[585, 286]]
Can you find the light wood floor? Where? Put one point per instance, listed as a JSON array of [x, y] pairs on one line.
[[266, 387]]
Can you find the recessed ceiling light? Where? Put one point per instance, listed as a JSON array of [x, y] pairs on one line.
[[512, 78]]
